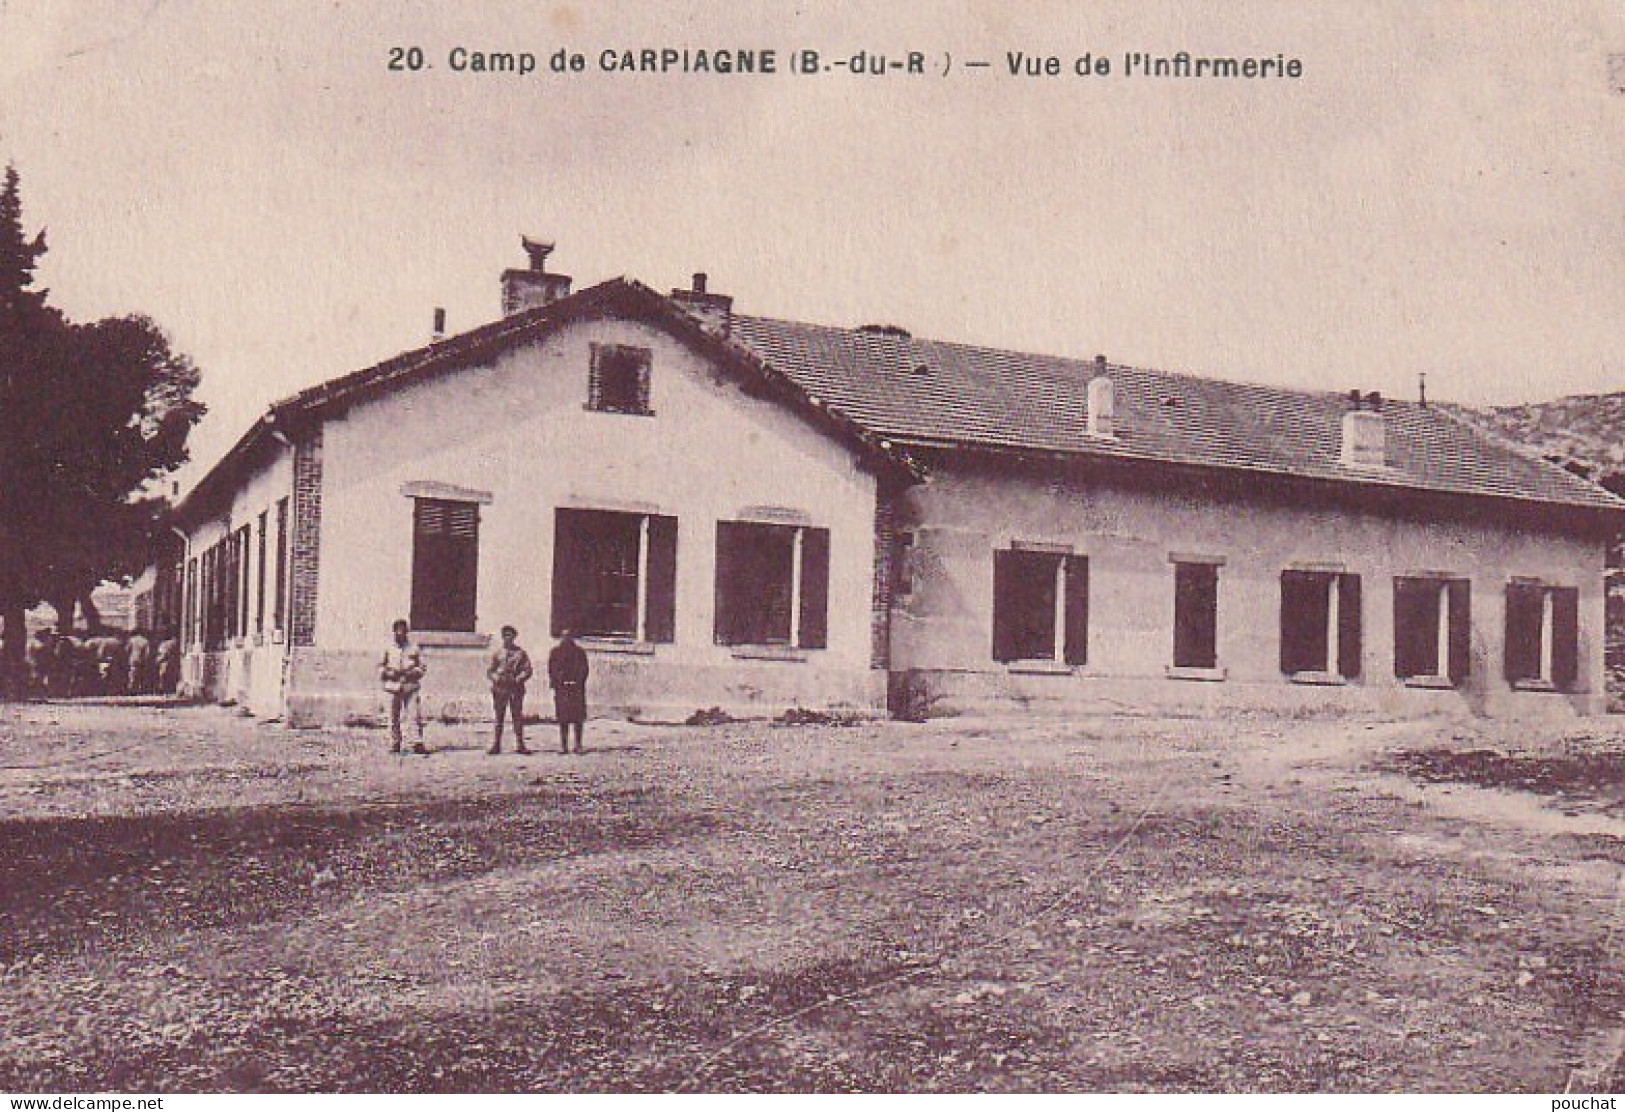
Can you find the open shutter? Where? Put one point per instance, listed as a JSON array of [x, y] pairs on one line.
[[1461, 629], [814, 620], [1525, 605], [1076, 641], [570, 564], [661, 616], [1303, 621], [1350, 627], [1565, 637], [1006, 580]]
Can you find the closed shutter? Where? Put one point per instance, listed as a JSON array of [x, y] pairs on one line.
[[1076, 644], [1565, 637], [445, 565], [814, 616], [1525, 606], [661, 616], [1196, 611], [1350, 627], [1461, 629]]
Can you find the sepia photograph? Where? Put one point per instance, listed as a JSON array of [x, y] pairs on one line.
[[932, 548]]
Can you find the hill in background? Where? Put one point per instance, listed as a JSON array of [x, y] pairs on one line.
[[1586, 434]]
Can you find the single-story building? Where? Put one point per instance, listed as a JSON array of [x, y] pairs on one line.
[[759, 514]]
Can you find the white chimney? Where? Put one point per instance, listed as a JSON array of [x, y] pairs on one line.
[[1365, 433], [1102, 402]]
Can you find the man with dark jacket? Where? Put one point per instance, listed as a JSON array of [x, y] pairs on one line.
[[508, 672], [567, 672]]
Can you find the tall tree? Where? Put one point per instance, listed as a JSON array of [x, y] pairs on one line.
[[91, 417]]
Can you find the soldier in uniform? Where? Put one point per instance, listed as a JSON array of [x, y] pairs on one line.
[[402, 671], [510, 669]]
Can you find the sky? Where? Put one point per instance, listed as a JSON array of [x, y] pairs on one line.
[[1440, 192]]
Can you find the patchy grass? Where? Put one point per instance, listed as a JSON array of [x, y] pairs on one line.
[[1596, 776], [197, 903]]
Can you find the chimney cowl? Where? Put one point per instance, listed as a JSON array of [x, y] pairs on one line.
[[534, 286]]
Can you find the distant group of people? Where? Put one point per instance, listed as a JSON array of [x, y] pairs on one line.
[[109, 662], [509, 670]]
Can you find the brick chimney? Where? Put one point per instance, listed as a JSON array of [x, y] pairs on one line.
[[714, 311], [1365, 432], [1102, 402], [533, 287]]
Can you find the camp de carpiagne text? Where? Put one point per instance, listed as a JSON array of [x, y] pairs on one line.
[[755, 61]]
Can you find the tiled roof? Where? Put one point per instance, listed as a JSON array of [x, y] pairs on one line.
[[924, 392]]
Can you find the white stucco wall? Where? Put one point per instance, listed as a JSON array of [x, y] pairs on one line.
[[249, 669], [943, 625]]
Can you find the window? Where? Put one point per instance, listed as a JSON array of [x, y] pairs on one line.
[[445, 564], [1040, 606], [279, 610], [259, 575], [615, 574], [194, 622], [1320, 623], [1431, 628], [1196, 615], [772, 585], [240, 555], [619, 380], [1542, 636]]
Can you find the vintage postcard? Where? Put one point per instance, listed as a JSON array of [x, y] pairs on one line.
[[776, 548]]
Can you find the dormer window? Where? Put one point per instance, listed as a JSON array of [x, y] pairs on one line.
[[619, 379]]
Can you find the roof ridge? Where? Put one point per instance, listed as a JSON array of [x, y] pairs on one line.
[[1079, 361]]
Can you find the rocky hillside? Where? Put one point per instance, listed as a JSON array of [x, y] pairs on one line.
[[1585, 433]]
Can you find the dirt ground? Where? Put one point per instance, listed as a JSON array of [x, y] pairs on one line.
[[193, 901]]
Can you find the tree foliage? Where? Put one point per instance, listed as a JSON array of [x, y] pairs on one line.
[[91, 417]]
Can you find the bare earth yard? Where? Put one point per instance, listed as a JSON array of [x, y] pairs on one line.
[[192, 901]]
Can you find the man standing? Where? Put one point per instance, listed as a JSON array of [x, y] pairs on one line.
[[140, 651], [168, 662], [567, 672], [402, 671], [508, 672]]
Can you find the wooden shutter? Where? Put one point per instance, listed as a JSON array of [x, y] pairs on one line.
[[1196, 610], [1416, 641], [814, 603], [661, 597], [1075, 643], [1525, 606], [1461, 629], [727, 571], [259, 571], [1350, 627], [1303, 621], [445, 565], [280, 610], [569, 563], [1565, 637]]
